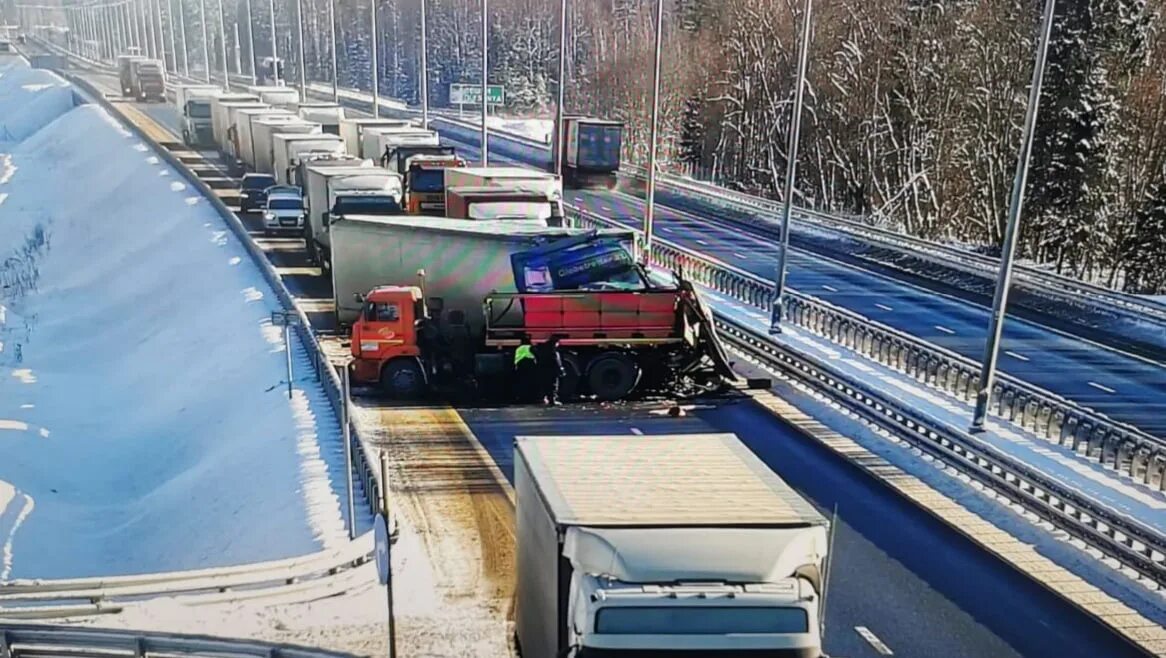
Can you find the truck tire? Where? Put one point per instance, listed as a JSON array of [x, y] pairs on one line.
[[612, 376], [403, 379]]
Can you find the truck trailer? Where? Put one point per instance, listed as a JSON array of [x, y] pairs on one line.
[[503, 203], [342, 190], [263, 133], [223, 118], [193, 103], [288, 150], [381, 143], [486, 285], [125, 73], [328, 115], [511, 178], [219, 105], [244, 126], [590, 150], [351, 130], [685, 545], [285, 98], [299, 173]]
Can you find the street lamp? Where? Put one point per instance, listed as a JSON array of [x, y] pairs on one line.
[[485, 68], [650, 207]]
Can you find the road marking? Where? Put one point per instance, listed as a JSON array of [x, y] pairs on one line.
[[830, 288], [666, 229], [604, 208], [884, 307], [873, 641], [1016, 356], [699, 241], [637, 431], [944, 329], [1102, 387], [740, 256]]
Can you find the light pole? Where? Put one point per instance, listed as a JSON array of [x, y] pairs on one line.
[[650, 208], [791, 166], [485, 68], [173, 39], [335, 71], [223, 45], [1004, 279], [376, 77], [424, 70], [303, 64], [275, 77], [182, 37], [556, 161], [206, 46], [251, 40]]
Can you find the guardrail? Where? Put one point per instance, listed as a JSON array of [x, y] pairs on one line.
[[1049, 416], [37, 641]]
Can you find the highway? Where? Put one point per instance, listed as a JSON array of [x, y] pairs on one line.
[[1123, 386], [919, 587]]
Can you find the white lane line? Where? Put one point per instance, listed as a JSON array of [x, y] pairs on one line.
[[873, 640], [637, 431], [699, 241], [830, 288], [1016, 356], [666, 229], [1102, 387], [884, 307], [739, 256], [944, 329], [604, 208]]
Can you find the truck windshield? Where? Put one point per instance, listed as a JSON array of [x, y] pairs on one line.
[[427, 180], [285, 204], [198, 110], [540, 210], [366, 205], [700, 620]]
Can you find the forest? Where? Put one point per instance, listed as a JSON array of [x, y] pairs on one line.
[[913, 108]]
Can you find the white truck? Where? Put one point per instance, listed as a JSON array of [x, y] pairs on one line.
[[376, 142], [287, 98], [263, 132], [193, 104], [288, 149], [328, 115], [685, 545], [220, 114], [299, 173], [244, 126], [351, 129], [233, 150], [345, 190]]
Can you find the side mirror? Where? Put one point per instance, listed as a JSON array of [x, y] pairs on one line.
[[324, 219], [436, 304]]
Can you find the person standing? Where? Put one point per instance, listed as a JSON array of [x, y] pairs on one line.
[[550, 365], [526, 372]]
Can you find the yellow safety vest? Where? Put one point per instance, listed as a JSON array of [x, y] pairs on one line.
[[523, 352]]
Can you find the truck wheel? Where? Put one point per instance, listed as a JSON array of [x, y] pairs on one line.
[[612, 376], [403, 379]]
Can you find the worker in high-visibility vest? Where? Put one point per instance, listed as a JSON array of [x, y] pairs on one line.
[[526, 371]]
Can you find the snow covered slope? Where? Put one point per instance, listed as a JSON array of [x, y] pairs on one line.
[[143, 424]]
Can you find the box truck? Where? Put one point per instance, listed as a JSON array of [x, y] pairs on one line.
[[263, 132], [219, 106], [685, 545], [345, 190], [193, 104], [328, 115], [288, 149], [245, 122], [351, 129], [287, 98], [590, 150], [381, 143]]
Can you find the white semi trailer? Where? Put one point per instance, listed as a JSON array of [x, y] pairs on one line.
[[351, 129], [193, 104], [287, 150], [685, 545], [263, 133], [220, 114], [287, 98], [245, 124], [328, 115]]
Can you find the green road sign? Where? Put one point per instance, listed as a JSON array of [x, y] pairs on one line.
[[463, 94]]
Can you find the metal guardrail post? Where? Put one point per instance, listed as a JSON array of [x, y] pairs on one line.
[[346, 424]]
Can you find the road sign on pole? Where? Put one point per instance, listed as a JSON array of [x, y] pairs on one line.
[[381, 540], [463, 94]]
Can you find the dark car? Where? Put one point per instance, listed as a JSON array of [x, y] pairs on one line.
[[253, 191]]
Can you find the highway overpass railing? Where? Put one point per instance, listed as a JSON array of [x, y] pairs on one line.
[[37, 641]]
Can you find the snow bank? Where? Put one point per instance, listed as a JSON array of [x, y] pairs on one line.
[[29, 99], [538, 130], [144, 422]]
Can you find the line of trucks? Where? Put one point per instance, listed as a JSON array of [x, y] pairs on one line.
[[141, 77], [646, 546], [440, 270]]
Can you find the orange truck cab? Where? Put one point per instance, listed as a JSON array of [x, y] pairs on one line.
[[425, 183], [386, 334]]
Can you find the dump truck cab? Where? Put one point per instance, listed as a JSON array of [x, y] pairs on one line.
[[385, 337], [510, 203]]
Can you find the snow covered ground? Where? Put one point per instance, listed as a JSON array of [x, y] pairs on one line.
[[144, 423], [538, 130]]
